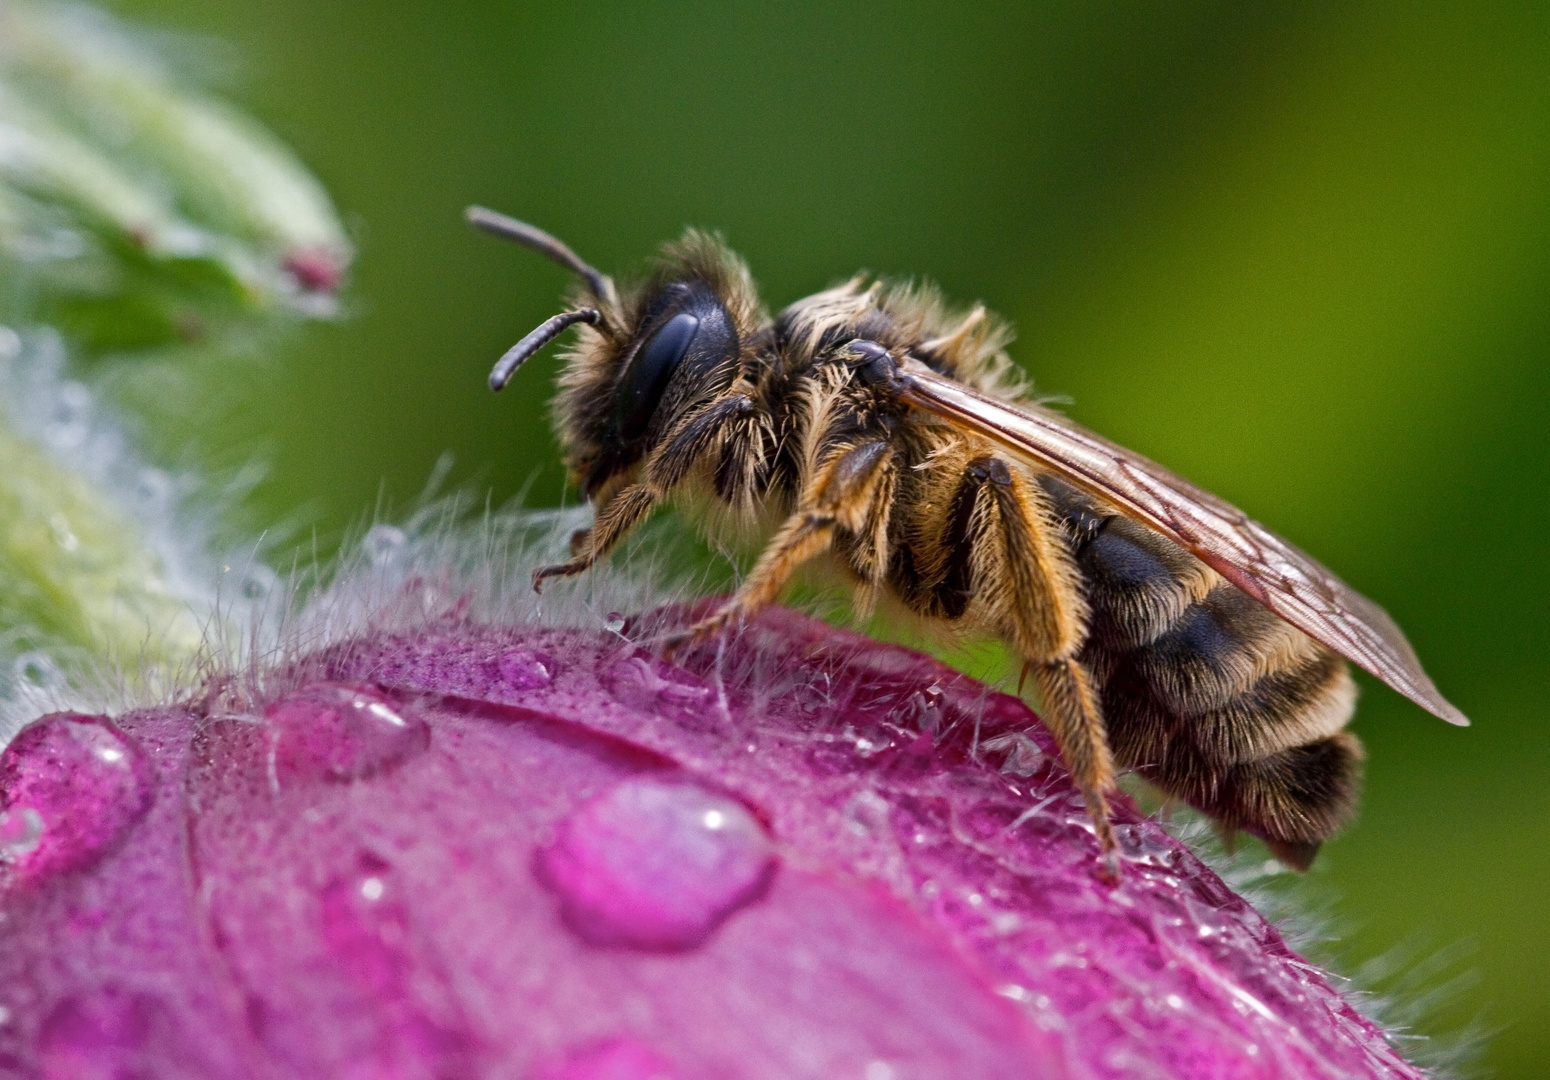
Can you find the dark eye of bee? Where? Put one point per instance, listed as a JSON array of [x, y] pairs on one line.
[[697, 337], [641, 388]]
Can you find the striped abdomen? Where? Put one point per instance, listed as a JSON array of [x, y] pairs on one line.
[[1208, 695]]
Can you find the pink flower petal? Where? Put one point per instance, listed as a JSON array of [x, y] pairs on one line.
[[799, 854]]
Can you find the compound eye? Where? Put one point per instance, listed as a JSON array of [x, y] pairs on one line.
[[641, 388]]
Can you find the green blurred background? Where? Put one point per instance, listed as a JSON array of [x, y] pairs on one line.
[[1300, 253]]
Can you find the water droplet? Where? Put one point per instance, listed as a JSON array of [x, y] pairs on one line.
[[64, 536], [258, 581], [1146, 847], [614, 623], [70, 786], [657, 864], [383, 544], [1021, 756], [100, 1034], [924, 710], [524, 670], [69, 420], [37, 668], [652, 685], [341, 732], [616, 1059], [20, 831], [153, 490], [867, 814], [366, 930], [1006, 922]]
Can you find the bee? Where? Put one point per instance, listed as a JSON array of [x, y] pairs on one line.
[[1166, 632]]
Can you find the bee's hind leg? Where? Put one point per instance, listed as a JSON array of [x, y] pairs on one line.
[[1031, 593], [1072, 714]]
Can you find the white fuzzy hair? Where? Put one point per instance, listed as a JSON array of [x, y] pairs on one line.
[[175, 522]]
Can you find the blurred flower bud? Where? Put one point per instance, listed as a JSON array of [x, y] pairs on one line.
[[143, 211]]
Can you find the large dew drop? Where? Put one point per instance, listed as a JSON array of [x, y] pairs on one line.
[[341, 732], [70, 787], [656, 863]]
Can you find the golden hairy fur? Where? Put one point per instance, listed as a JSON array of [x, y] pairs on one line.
[[1143, 657]]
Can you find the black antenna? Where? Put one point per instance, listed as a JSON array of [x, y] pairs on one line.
[[508, 228], [547, 331]]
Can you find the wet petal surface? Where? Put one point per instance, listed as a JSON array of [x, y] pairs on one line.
[[797, 853]]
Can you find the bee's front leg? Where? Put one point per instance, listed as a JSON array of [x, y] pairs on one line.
[[623, 512], [663, 470], [843, 496]]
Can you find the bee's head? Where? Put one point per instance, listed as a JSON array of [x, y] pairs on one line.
[[643, 360]]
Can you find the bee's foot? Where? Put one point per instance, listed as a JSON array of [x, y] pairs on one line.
[[569, 569], [695, 634], [1108, 867], [1108, 846]]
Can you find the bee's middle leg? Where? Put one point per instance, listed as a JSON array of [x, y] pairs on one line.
[[1031, 592], [844, 496]]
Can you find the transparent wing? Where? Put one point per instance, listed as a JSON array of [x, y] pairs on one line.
[[1243, 551]]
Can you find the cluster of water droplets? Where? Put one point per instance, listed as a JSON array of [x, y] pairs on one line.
[[655, 861]]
